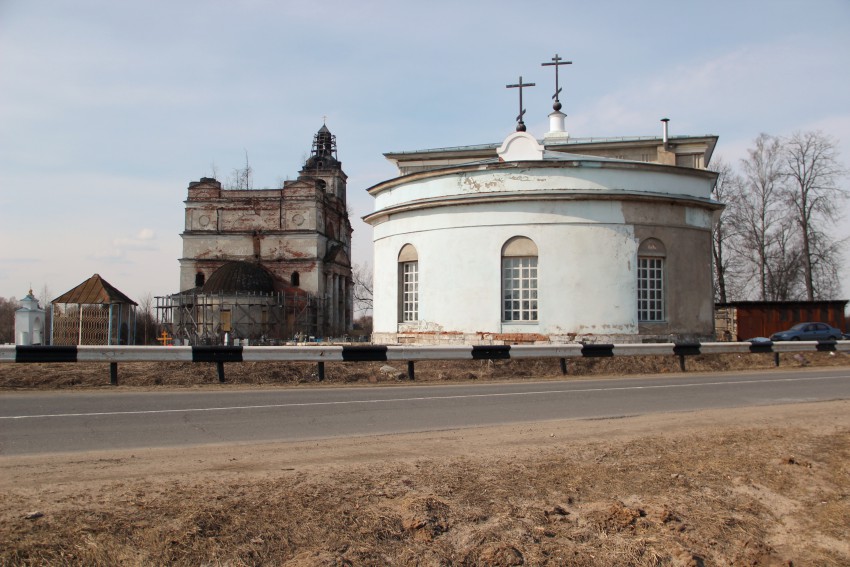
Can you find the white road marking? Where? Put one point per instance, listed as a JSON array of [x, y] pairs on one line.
[[422, 399]]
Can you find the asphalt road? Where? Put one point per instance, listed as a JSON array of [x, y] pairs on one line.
[[46, 422]]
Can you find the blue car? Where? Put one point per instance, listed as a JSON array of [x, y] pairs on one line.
[[808, 332]]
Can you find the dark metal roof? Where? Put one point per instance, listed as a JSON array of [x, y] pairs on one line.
[[94, 290], [240, 277]]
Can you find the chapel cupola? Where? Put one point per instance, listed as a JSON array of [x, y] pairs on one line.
[[323, 154], [323, 167]]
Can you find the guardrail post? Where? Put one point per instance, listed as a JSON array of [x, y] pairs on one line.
[[320, 368], [113, 373], [776, 359], [411, 373], [686, 349], [564, 368], [218, 354]]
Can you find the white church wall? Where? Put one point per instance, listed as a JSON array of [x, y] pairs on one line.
[[384, 283], [589, 176], [585, 262], [586, 217], [699, 218]]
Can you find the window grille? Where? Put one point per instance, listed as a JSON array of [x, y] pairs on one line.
[[410, 291], [650, 289], [519, 285]]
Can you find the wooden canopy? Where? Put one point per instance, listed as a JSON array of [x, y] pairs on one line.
[[94, 290]]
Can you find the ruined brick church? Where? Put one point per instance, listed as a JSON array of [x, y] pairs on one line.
[[267, 265]]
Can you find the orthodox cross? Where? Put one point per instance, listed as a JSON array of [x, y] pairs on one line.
[[557, 62], [520, 125]]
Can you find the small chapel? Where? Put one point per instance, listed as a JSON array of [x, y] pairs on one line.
[[261, 266], [551, 240], [30, 322]]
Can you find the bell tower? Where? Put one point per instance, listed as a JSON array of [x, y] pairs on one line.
[[322, 172], [324, 166]]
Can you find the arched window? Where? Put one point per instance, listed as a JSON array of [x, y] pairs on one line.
[[519, 280], [295, 279], [200, 278], [650, 281], [408, 284]]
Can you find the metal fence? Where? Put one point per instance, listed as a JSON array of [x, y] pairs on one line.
[[323, 353]]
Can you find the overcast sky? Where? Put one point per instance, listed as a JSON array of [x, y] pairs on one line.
[[109, 109]]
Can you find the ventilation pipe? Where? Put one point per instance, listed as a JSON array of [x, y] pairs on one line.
[[664, 136]]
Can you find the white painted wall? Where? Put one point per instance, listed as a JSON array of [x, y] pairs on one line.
[[586, 176], [29, 323], [585, 262], [587, 251]]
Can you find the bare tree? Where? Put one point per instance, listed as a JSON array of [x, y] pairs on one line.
[[783, 263], [242, 178], [727, 272], [146, 326], [811, 170], [759, 213], [362, 276], [7, 319], [44, 301]]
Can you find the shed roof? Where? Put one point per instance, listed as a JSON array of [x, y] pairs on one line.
[[93, 291]]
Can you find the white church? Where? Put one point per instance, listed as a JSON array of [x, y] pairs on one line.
[[29, 322], [546, 241]]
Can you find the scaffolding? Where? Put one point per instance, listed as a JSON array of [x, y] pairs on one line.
[[196, 318]]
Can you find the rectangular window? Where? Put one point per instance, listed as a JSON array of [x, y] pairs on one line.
[[410, 291], [689, 160], [519, 289], [650, 289]]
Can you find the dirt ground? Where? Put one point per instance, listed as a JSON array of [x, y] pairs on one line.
[[756, 486]]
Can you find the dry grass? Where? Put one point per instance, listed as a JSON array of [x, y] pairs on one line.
[[737, 496], [772, 493]]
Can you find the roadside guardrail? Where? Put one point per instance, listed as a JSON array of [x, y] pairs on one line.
[[321, 354]]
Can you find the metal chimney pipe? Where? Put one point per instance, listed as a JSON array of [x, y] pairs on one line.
[[664, 136]]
